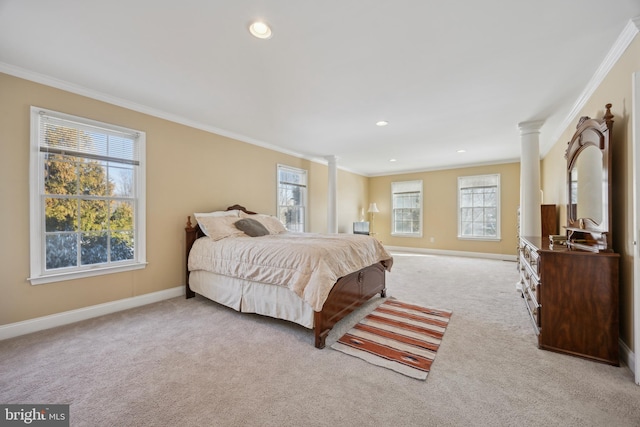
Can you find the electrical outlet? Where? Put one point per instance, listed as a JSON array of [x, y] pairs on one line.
[[432, 239]]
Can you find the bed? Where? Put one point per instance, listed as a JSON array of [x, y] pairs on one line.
[[310, 279]]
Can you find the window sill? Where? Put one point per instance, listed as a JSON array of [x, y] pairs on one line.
[[59, 277], [418, 236]]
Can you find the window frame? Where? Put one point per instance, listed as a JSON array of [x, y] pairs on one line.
[[38, 271], [487, 177], [417, 183], [305, 206]]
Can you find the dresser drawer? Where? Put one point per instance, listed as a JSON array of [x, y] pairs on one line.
[[529, 261], [531, 301], [529, 257]]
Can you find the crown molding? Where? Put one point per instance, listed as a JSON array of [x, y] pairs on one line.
[[99, 96], [621, 44], [109, 99], [449, 166]]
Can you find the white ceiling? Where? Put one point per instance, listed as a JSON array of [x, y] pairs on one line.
[[445, 76]]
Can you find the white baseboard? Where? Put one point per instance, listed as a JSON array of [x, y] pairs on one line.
[[46, 322], [627, 356], [502, 257]]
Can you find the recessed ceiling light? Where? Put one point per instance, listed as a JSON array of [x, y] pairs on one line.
[[392, 160], [260, 30], [462, 151], [382, 123]]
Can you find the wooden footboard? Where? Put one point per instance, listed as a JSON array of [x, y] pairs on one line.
[[347, 294]]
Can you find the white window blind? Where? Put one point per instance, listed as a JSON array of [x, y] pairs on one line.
[[66, 137]]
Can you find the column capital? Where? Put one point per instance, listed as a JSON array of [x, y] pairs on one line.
[[530, 127], [331, 159]]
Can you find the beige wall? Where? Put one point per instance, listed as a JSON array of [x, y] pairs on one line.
[[615, 89], [440, 204], [192, 170], [187, 170], [352, 195]]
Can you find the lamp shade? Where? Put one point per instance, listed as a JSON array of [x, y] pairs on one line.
[[373, 208]]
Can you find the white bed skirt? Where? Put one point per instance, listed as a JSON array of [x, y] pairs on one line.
[[252, 297]]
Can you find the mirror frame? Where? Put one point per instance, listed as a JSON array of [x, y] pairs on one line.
[[591, 132]]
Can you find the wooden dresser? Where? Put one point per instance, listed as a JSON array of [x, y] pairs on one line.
[[572, 298]]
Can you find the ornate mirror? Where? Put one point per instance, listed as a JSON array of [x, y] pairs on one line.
[[588, 184]]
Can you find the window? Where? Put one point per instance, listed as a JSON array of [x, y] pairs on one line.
[[87, 197], [479, 207], [292, 197], [407, 208]]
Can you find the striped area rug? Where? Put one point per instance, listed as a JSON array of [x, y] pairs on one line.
[[398, 336]]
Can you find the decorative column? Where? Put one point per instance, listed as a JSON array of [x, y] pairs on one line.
[[530, 220], [332, 195]]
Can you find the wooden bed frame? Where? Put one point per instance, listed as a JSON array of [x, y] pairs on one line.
[[348, 293]]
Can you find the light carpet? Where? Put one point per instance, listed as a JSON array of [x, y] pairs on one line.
[[398, 336], [194, 363]]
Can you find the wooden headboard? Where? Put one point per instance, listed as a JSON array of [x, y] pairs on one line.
[[193, 233]]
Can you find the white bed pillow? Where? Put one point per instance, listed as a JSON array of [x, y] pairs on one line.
[[218, 227], [234, 213]]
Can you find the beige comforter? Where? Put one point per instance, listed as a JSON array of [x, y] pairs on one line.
[[308, 264]]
